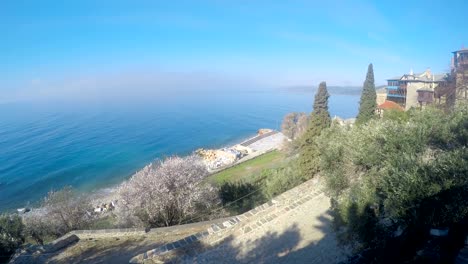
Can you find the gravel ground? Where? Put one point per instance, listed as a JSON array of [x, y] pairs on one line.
[[272, 142]]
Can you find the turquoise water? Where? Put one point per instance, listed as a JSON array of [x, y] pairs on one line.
[[94, 145]]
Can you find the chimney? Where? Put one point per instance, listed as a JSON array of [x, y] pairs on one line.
[[411, 71], [428, 72]]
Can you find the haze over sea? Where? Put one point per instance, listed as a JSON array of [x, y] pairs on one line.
[[93, 145]]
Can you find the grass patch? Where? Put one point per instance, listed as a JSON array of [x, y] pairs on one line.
[[106, 222], [249, 170]]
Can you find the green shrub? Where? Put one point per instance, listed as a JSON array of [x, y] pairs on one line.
[[239, 197], [11, 235], [396, 115], [278, 180], [401, 172]]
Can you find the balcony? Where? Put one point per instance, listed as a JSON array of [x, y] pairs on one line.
[[396, 91], [396, 95]]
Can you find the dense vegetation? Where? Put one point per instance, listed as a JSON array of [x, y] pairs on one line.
[[11, 235], [394, 179]]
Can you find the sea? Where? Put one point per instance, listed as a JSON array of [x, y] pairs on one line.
[[96, 144]]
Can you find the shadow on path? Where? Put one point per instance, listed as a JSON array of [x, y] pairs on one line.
[[289, 246]]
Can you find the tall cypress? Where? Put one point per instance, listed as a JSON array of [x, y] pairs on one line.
[[319, 120], [368, 103]]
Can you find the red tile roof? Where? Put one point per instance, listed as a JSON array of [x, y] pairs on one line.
[[391, 105]]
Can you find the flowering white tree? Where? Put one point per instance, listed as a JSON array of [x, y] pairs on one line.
[[165, 193], [61, 212]]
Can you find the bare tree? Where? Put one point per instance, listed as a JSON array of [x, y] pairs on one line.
[[294, 125], [38, 226], [61, 212], [165, 193], [301, 125], [66, 211]]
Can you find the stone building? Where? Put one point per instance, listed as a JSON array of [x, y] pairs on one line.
[[381, 95], [460, 73], [415, 89]]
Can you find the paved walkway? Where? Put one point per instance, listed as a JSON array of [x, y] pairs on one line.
[[301, 235], [257, 138], [273, 141]]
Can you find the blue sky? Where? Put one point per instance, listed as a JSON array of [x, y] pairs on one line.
[[63, 48]]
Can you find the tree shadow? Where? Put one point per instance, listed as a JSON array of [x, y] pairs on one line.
[[112, 253], [298, 243], [105, 250]]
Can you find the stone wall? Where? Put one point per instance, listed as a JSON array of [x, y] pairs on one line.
[[244, 223], [120, 232]]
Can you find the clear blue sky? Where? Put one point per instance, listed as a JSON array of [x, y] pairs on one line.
[[52, 46]]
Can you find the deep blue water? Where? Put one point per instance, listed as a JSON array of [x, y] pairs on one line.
[[46, 146]]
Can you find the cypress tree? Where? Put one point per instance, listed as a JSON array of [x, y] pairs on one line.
[[319, 120], [368, 103]]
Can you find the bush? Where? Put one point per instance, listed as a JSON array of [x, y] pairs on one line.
[[278, 180], [396, 115], [165, 193], [393, 174], [240, 197], [11, 235]]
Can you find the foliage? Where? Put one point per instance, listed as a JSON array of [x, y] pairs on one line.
[[368, 103], [278, 180], [258, 188], [391, 176], [11, 235], [165, 193], [241, 196], [396, 115], [319, 120]]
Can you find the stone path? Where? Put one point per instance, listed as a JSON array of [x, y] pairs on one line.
[[257, 138], [298, 230]]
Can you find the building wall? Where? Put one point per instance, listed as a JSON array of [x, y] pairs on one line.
[[461, 83], [381, 97], [412, 94]]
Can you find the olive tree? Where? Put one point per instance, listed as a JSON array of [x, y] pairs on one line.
[[165, 193]]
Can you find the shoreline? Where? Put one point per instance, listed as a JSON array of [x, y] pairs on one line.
[[108, 194]]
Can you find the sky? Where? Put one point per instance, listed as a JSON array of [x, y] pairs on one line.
[[70, 49]]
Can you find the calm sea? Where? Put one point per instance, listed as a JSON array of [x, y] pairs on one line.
[[94, 145]]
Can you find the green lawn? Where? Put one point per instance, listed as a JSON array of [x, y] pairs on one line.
[[249, 169]]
